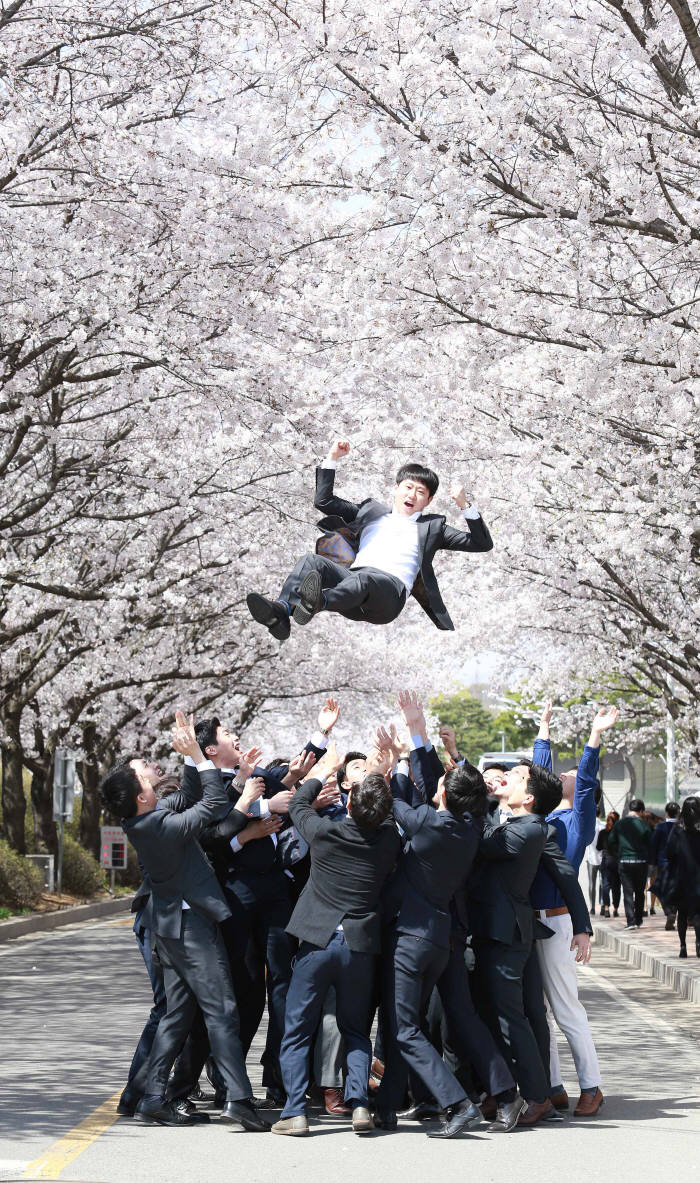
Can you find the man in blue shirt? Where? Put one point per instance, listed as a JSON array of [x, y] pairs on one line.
[[574, 821]]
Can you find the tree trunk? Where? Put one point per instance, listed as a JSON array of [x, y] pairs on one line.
[[14, 802], [42, 804], [89, 772]]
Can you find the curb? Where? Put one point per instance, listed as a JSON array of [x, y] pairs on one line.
[[640, 951], [48, 921]]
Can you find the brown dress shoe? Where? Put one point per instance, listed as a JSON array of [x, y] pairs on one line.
[[377, 1068], [560, 1100], [335, 1103], [589, 1104], [535, 1111]]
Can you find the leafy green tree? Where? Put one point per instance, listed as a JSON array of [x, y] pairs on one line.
[[478, 729]]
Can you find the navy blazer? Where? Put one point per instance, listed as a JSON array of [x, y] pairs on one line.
[[349, 867], [174, 864], [433, 535], [500, 908], [433, 869]]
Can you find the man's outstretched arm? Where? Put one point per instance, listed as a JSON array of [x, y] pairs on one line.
[[325, 500], [476, 536]]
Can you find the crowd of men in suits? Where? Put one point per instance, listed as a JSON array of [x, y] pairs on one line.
[[332, 889]]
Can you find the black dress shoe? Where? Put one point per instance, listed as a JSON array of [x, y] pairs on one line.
[[310, 598], [127, 1103], [458, 1118], [190, 1110], [385, 1120], [273, 1099], [164, 1113], [273, 615], [244, 1113], [420, 1111]]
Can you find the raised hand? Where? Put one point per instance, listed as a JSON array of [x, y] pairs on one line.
[[378, 761], [459, 496], [328, 714], [249, 761], [545, 718], [339, 448], [299, 769], [604, 718], [449, 739], [184, 739], [329, 795], [387, 740], [411, 708], [254, 788], [329, 763]]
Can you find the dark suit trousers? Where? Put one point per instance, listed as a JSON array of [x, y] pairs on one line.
[[633, 877], [155, 973], [256, 942], [509, 982], [411, 969], [315, 971], [196, 970], [468, 1034], [365, 594]]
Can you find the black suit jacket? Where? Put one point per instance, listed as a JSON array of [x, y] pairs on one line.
[[259, 856], [433, 534], [433, 869], [349, 867], [500, 908], [174, 864]]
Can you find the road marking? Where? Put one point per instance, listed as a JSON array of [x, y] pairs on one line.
[[50, 1164]]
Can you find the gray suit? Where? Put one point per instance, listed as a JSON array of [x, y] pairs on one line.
[[183, 912]]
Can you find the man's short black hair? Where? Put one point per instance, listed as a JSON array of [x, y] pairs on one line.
[[119, 790], [418, 472], [498, 767], [636, 805], [340, 774], [672, 809], [205, 733], [466, 791], [545, 788], [371, 802]]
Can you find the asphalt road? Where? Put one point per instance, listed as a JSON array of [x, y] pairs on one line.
[[74, 1001]]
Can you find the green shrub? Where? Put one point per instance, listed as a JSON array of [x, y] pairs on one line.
[[21, 882], [82, 874]]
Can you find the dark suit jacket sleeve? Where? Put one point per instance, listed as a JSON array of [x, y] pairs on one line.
[[403, 789], [504, 842], [561, 871], [302, 813], [425, 771], [327, 502], [281, 770], [409, 819], [475, 538], [230, 825], [213, 805], [189, 793]]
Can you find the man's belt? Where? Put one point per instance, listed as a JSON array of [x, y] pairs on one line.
[[553, 911]]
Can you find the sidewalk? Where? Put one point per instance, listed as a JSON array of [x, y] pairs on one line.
[[653, 951], [20, 926]]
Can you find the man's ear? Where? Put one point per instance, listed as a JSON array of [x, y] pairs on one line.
[[210, 750]]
